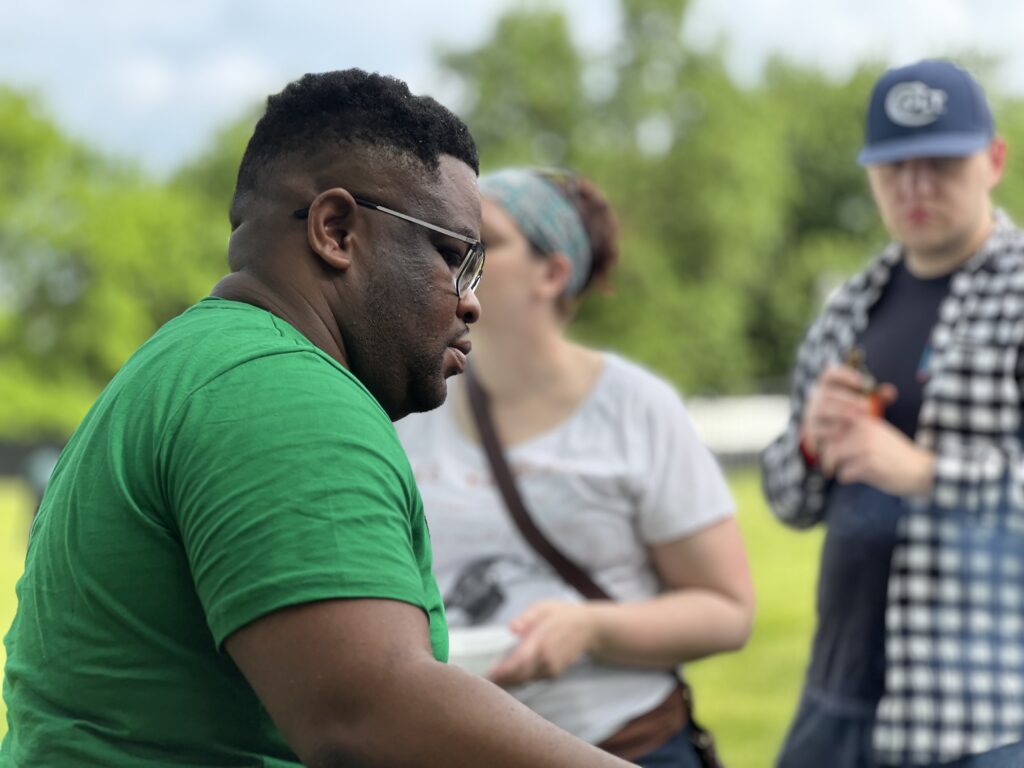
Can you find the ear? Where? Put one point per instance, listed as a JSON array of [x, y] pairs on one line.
[[555, 274], [329, 227], [997, 159]]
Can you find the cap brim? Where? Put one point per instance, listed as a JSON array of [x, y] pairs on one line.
[[911, 147]]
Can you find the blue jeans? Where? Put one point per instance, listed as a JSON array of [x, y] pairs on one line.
[[677, 752], [825, 732], [1010, 756], [824, 735]]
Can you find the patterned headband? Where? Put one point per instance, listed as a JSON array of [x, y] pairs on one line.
[[544, 216]]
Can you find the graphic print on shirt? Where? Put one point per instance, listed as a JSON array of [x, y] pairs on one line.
[[479, 593]]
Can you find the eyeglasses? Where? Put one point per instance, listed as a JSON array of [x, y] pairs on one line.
[[471, 269]]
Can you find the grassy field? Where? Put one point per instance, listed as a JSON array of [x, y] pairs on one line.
[[745, 698], [15, 515]]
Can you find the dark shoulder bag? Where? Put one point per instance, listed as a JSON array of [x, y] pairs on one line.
[[650, 730]]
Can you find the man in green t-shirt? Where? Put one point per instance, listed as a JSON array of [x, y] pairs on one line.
[[230, 566]]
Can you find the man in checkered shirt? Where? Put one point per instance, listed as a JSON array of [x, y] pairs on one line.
[[910, 450]]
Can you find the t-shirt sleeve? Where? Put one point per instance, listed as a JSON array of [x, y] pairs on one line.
[[288, 485], [682, 486]]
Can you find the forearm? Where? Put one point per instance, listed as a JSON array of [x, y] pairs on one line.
[[432, 715], [670, 629]]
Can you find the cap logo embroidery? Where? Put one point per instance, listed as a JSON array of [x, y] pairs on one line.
[[914, 104]]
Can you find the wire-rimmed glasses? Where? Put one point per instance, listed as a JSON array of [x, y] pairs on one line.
[[467, 278]]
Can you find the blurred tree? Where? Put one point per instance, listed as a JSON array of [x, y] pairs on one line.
[[211, 175], [830, 227], [741, 207], [93, 258], [523, 89], [691, 162]]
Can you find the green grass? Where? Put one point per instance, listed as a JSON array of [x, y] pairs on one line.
[[746, 698], [15, 516]]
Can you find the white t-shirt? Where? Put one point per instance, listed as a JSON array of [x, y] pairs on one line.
[[625, 471]]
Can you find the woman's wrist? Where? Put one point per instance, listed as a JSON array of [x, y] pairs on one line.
[[599, 625]]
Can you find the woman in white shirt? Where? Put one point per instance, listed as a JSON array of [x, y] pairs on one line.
[[610, 469]]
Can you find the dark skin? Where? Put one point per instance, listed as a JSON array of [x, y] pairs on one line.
[[331, 274], [354, 682]]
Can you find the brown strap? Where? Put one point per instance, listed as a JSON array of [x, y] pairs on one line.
[[573, 575], [650, 730], [569, 571]]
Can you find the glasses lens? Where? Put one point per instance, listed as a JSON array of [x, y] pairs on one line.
[[472, 269]]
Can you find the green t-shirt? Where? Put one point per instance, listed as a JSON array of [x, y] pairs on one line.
[[228, 470]]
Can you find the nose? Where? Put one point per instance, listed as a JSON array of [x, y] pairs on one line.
[[468, 308], [918, 176]]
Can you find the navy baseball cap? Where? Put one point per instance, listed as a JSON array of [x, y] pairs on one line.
[[929, 109]]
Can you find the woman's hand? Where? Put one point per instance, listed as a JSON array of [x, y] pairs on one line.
[[553, 635], [707, 607]]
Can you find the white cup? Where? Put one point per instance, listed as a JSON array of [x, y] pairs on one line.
[[477, 649]]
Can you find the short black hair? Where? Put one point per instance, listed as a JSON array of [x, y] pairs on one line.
[[351, 106]]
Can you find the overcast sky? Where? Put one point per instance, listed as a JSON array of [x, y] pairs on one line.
[[154, 80]]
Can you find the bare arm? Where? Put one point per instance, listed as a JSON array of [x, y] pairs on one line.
[[353, 683], [708, 607]]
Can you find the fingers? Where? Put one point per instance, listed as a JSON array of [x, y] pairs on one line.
[[836, 453], [510, 671], [851, 471], [842, 376], [528, 619], [826, 462], [837, 400], [830, 411], [523, 664], [549, 640], [887, 393]]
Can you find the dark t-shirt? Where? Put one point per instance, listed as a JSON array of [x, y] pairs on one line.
[[848, 658]]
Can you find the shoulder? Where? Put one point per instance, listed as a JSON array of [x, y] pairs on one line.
[[634, 382], [1008, 253], [637, 399], [264, 379], [285, 415], [296, 386], [231, 344]]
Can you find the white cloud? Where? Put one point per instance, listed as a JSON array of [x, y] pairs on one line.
[[836, 35], [143, 83], [154, 80], [228, 81]]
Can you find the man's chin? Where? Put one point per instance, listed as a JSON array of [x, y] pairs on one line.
[[429, 398]]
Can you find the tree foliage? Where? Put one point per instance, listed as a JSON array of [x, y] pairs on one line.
[[93, 258], [741, 207]]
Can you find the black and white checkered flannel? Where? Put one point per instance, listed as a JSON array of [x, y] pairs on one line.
[[955, 607]]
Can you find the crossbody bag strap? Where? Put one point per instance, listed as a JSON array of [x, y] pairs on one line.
[[571, 573]]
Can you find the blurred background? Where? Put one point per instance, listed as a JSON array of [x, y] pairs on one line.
[[724, 132]]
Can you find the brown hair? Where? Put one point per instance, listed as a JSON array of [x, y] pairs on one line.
[[600, 223]]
